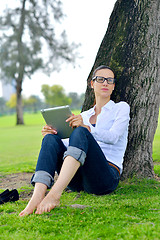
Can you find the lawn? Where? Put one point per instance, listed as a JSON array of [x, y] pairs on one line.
[[19, 145], [131, 212], [156, 144]]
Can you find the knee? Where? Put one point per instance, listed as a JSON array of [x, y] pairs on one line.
[[50, 139], [80, 131]]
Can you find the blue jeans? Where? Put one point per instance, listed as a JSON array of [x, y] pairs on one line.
[[94, 175]]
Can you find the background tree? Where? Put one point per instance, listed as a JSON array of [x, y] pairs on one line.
[[77, 100], [11, 103], [27, 29], [131, 47], [2, 106], [55, 95], [33, 103]]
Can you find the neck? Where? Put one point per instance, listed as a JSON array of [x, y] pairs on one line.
[[100, 103]]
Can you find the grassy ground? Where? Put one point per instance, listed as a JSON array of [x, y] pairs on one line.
[[131, 212], [156, 144], [19, 145]]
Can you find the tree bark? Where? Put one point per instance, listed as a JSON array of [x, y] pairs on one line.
[[19, 107], [19, 79], [131, 48]]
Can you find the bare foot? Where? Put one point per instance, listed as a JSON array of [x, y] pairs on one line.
[[31, 206], [36, 199], [48, 203]]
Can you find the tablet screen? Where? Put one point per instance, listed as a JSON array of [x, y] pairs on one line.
[[56, 117]]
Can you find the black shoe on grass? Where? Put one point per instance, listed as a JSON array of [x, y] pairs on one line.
[[9, 196]]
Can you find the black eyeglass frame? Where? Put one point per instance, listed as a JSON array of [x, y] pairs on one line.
[[104, 79]]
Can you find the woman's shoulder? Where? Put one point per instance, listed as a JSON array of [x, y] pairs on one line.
[[87, 111], [122, 106]]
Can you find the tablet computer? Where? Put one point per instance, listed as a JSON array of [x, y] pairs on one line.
[[56, 117]]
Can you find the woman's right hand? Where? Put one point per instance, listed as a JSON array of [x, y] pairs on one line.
[[48, 130]]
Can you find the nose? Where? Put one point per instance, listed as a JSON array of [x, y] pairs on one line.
[[105, 82]]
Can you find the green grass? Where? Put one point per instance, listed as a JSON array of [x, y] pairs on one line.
[[19, 145], [156, 144], [131, 212]]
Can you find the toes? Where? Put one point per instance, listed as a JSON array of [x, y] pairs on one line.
[[43, 209], [23, 213], [26, 212], [39, 210]]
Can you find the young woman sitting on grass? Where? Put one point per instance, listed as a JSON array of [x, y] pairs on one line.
[[91, 160]]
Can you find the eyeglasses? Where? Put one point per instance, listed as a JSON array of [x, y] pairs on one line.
[[102, 79]]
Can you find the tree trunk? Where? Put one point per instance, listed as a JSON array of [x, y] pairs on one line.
[[131, 48], [20, 77], [19, 107]]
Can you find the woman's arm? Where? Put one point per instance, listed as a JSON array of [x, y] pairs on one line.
[[120, 125]]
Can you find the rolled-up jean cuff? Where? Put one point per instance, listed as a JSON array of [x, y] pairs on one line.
[[76, 153], [42, 177]]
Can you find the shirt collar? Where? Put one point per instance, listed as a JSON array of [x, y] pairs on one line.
[[108, 105]]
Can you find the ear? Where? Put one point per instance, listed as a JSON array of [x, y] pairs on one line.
[[92, 84]]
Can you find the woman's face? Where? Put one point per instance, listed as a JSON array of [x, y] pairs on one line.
[[103, 89]]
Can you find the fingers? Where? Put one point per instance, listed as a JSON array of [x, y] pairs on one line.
[[48, 130], [70, 118], [75, 121]]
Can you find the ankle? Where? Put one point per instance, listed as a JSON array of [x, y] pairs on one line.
[[55, 195]]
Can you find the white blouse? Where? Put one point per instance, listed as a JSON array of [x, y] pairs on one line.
[[111, 130]]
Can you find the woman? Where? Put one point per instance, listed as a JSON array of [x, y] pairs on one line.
[[91, 160]]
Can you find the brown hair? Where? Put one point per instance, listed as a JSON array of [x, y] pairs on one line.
[[101, 67]]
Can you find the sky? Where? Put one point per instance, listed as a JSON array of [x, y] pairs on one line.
[[85, 23]]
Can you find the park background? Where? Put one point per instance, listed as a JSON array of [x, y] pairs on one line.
[[83, 26], [131, 212]]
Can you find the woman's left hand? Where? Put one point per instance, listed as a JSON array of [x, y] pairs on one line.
[[76, 121]]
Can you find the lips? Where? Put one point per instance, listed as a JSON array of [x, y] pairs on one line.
[[104, 89]]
